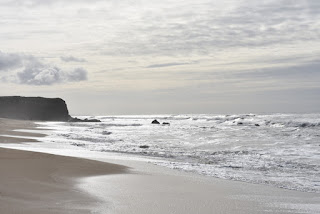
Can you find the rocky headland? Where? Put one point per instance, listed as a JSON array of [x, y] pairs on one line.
[[36, 108]]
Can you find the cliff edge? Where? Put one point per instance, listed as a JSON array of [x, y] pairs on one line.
[[34, 108]]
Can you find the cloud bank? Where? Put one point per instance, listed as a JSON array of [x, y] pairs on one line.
[[27, 69]]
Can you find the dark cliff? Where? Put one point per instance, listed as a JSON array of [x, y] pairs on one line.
[[34, 108]]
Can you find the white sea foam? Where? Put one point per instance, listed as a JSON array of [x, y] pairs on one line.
[[282, 150]]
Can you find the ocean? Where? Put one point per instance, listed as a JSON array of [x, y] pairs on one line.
[[281, 150]]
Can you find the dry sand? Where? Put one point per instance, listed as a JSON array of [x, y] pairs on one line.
[[32, 182]]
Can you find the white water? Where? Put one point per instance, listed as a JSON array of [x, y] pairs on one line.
[[282, 150]]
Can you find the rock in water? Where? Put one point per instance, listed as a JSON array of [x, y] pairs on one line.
[[155, 122], [75, 119], [144, 147], [166, 123], [34, 108]]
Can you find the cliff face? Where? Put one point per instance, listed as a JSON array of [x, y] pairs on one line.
[[34, 108]]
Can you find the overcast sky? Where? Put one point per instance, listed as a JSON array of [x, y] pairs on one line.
[[168, 56]]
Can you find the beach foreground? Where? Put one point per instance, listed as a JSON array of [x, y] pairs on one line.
[[33, 182]]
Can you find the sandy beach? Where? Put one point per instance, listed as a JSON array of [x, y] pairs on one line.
[[33, 182], [36, 182]]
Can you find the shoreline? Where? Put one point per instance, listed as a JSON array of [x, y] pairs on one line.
[[148, 188], [33, 182]]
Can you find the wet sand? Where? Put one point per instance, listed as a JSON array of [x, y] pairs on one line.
[[33, 182]]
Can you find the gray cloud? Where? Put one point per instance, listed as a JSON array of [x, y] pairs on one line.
[[72, 59], [9, 61], [47, 75], [40, 75], [78, 74], [27, 69]]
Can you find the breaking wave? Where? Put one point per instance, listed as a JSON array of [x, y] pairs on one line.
[[278, 149]]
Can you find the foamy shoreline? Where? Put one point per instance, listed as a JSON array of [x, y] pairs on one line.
[[153, 189]]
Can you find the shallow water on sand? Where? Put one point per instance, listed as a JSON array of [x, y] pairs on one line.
[[281, 150]]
